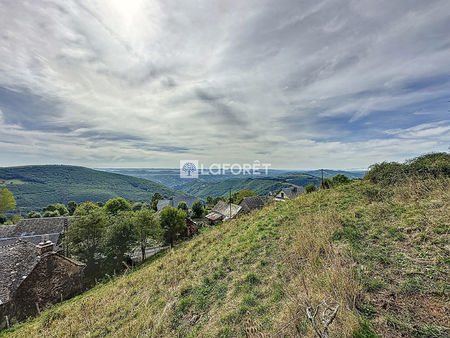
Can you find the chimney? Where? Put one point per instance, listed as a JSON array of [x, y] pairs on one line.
[[44, 247]]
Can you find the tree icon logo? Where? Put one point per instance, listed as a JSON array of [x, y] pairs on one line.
[[188, 169]]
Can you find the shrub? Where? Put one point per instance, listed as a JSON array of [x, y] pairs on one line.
[[48, 213], [34, 214], [310, 188], [326, 184], [340, 179]]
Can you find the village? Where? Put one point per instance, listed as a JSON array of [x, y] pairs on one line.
[[38, 269]]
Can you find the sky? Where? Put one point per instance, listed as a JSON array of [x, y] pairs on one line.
[[297, 84]]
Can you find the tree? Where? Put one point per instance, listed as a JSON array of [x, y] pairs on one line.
[[119, 238], [34, 214], [155, 205], [7, 201], [209, 200], [114, 205], [71, 206], [3, 219], [156, 197], [238, 196], [197, 209], [49, 213], [326, 184], [310, 188], [173, 223], [183, 206], [59, 207], [217, 199], [339, 179], [85, 236], [146, 227], [85, 208]]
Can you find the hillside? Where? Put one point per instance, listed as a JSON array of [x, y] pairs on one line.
[[36, 186], [262, 186], [217, 185], [379, 252]]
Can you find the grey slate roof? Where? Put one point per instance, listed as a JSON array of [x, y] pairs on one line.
[[35, 230], [292, 192], [16, 263], [223, 208], [174, 202], [251, 202]]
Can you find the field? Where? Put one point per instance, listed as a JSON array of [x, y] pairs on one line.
[[381, 254]]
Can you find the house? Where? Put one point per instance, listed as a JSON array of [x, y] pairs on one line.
[[189, 200], [251, 203], [33, 277], [223, 211], [191, 227], [288, 193], [34, 230]]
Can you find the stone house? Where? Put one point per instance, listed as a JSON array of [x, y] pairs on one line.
[[251, 203], [223, 211], [32, 277], [288, 193]]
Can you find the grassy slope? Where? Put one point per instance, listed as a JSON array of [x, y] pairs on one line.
[[385, 261], [41, 185]]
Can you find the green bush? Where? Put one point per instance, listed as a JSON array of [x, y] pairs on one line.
[[310, 188], [393, 173]]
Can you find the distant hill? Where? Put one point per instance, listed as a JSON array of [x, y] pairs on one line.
[[217, 185], [262, 186], [36, 186], [331, 173]]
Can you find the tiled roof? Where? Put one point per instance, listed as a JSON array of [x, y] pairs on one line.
[[35, 230], [16, 263]]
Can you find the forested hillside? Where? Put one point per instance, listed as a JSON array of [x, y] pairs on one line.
[[373, 251], [35, 187]]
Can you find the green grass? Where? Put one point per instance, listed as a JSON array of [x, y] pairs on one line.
[[381, 260]]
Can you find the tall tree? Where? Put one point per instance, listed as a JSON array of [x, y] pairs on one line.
[[147, 227], [85, 236], [71, 206], [119, 238], [173, 224], [114, 205], [197, 209], [59, 207], [156, 197], [7, 201]]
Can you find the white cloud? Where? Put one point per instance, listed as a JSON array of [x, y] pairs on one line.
[[144, 83]]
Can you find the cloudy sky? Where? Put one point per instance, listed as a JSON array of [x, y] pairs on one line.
[[298, 84]]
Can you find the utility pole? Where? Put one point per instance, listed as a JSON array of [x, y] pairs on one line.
[[230, 203], [321, 183]]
